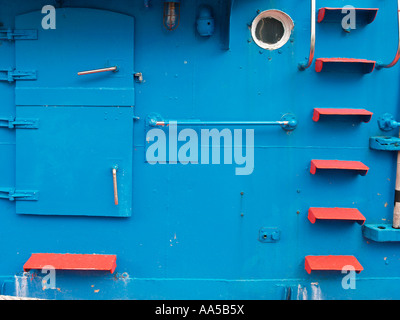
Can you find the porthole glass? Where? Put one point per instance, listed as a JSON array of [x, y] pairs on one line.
[[271, 29]]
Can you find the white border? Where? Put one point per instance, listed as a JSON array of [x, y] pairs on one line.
[[287, 23]]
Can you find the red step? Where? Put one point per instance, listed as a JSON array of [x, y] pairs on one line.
[[345, 65], [334, 263], [358, 166], [351, 214], [367, 15], [363, 114], [98, 262]]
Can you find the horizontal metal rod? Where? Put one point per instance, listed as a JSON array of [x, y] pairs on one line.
[[98, 71], [222, 123]]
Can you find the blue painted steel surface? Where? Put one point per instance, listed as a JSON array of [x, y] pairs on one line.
[[193, 230], [381, 232]]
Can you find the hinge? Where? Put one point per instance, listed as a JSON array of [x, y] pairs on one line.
[[11, 75], [20, 195], [19, 123], [12, 35]]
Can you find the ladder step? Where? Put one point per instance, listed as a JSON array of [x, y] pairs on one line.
[[344, 65], [97, 262], [362, 114], [350, 214], [364, 15], [332, 263], [357, 166]]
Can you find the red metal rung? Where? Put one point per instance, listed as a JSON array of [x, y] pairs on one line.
[[98, 262], [364, 115], [339, 165], [335, 214], [334, 263], [360, 65], [369, 14]]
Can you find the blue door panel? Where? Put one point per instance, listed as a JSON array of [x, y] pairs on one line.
[[91, 110], [70, 157], [74, 46]]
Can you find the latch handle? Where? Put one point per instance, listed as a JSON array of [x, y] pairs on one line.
[[114, 173], [114, 69]]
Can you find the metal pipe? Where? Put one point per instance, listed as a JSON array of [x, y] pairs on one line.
[[288, 122], [98, 71], [397, 57], [222, 123], [304, 66]]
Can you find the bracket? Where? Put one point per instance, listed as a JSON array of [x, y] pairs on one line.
[[269, 235], [12, 35], [12, 75], [19, 123], [21, 195]]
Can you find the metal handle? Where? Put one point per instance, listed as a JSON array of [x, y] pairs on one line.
[[304, 66], [288, 122], [114, 173], [397, 57], [114, 69]]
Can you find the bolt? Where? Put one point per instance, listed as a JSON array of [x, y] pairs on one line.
[[275, 235]]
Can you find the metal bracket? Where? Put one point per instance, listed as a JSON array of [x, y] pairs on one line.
[[20, 195], [19, 123], [267, 235], [381, 232], [384, 143], [11, 75], [12, 35]]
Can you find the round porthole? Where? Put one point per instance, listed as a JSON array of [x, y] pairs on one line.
[[271, 29]]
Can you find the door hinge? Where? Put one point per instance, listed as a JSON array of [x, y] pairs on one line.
[[11, 75], [20, 195], [12, 35], [19, 123]]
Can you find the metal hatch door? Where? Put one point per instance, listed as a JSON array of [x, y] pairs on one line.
[[84, 122]]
